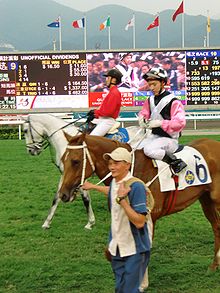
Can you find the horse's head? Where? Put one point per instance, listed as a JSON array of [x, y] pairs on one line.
[[34, 138], [78, 165]]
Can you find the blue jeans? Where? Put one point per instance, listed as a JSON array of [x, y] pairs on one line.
[[129, 271]]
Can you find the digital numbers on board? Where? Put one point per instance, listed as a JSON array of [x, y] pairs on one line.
[[44, 74], [203, 77]]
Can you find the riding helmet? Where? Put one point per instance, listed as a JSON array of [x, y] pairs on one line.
[[156, 73], [114, 73]]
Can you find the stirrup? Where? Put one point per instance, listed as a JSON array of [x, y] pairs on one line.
[[178, 166]]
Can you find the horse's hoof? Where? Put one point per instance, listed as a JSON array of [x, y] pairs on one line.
[[212, 268], [88, 226], [45, 226]]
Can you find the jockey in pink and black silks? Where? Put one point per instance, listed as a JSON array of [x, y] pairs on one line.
[[105, 116], [165, 116]]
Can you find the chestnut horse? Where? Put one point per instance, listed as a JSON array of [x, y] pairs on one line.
[[87, 151]]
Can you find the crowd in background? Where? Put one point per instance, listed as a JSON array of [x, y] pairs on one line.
[[133, 65]]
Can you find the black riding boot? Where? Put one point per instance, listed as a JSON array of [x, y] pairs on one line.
[[177, 165]]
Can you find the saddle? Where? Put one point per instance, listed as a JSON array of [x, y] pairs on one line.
[[115, 128], [195, 173], [116, 132]]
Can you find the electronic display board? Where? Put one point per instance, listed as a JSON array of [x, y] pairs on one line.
[[203, 77], [133, 65], [75, 80], [38, 77]]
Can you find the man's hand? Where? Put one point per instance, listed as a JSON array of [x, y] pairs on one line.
[[154, 124], [122, 191], [90, 116], [88, 186]]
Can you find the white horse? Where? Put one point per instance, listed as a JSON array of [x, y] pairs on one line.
[[41, 130]]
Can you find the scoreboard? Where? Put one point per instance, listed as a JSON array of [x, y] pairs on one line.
[[203, 77], [49, 74], [64, 80], [42, 75]]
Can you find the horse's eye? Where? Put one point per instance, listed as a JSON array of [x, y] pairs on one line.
[[25, 131], [75, 162]]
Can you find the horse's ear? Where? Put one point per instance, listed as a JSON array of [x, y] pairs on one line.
[[68, 137]]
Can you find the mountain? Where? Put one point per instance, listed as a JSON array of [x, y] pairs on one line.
[[23, 26]]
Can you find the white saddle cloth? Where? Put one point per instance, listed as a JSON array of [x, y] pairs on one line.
[[196, 172]]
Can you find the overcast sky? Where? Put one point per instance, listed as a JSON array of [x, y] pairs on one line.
[[192, 7]]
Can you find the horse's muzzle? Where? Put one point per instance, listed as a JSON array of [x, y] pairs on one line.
[[69, 195], [33, 152]]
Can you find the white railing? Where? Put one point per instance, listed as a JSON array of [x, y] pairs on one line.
[[190, 116]]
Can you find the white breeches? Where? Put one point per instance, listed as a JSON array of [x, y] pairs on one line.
[[156, 147], [104, 124]]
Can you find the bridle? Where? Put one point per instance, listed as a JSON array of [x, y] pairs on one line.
[[86, 155], [44, 143]]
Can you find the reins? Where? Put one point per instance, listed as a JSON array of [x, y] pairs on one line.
[[67, 125], [86, 154], [133, 160], [132, 153]]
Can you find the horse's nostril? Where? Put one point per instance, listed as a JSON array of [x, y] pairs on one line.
[[65, 198]]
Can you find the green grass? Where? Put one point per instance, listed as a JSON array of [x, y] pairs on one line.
[[67, 258]]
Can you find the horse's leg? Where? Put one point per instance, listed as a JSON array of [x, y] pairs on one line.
[[211, 213], [88, 205], [56, 200], [145, 282], [47, 222]]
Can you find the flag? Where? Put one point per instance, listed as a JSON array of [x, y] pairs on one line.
[[208, 24], [178, 11], [105, 24], [79, 23], [55, 24], [155, 23], [130, 23]]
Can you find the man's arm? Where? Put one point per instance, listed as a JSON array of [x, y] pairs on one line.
[[90, 186], [136, 218]]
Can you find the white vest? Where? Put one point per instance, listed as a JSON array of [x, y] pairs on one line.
[[156, 110]]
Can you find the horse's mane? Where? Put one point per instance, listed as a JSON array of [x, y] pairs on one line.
[[78, 140]]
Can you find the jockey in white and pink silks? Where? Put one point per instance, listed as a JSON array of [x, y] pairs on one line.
[[165, 116]]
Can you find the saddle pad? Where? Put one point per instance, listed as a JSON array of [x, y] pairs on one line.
[[196, 172], [121, 135]]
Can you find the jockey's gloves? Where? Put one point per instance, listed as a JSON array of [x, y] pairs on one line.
[[154, 124], [142, 122]]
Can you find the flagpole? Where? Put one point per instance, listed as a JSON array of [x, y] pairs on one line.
[[109, 33], [134, 45], [85, 33], [183, 37], [60, 37], [158, 32], [208, 29]]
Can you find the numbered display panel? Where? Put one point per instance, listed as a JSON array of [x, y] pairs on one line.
[[203, 77], [51, 74], [75, 80]]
